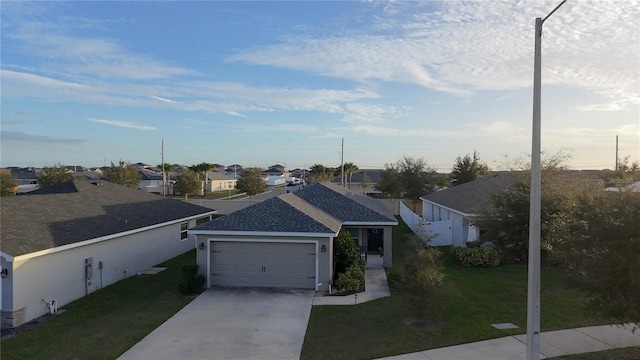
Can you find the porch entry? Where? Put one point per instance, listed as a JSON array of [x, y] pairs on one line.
[[375, 240]]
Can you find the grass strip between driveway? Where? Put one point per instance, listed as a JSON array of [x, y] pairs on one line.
[[109, 321]]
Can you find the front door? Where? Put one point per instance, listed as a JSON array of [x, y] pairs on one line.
[[375, 240]]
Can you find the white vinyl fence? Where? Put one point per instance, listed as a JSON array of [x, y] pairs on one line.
[[439, 232]]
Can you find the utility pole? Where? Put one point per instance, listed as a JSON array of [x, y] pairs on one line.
[[617, 158], [342, 163], [164, 177], [533, 288]]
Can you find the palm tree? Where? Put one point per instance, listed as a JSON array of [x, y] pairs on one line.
[[167, 167], [350, 169], [202, 168], [320, 173]]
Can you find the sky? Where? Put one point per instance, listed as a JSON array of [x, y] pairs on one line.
[[274, 82]]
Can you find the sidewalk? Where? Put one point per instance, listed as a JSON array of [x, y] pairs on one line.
[[375, 280], [552, 344]]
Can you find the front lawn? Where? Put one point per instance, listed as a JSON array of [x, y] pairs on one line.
[[629, 353], [109, 321], [471, 300]]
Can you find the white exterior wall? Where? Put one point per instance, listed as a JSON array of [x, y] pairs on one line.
[[459, 226], [60, 275], [217, 185]]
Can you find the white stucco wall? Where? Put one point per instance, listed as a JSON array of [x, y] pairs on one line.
[[60, 275], [459, 226]]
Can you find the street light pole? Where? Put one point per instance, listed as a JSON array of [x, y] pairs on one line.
[[284, 175], [533, 290]]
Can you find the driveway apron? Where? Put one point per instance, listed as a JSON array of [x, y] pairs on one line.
[[225, 323]]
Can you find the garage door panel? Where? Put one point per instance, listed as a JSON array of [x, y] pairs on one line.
[[263, 264]]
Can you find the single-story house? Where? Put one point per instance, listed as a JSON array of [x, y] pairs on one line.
[[287, 241], [459, 205], [151, 181], [64, 242], [220, 181], [26, 179], [234, 170]]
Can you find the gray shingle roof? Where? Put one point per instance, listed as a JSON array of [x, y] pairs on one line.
[[297, 212], [48, 218], [345, 205], [473, 196], [273, 215]]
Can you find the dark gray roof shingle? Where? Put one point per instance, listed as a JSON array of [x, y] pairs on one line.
[[273, 215], [473, 196], [46, 219], [345, 205], [319, 208]]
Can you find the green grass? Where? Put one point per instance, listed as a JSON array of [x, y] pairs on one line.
[[221, 194], [470, 300], [109, 321], [629, 353]]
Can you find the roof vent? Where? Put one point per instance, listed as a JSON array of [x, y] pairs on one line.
[[97, 183]]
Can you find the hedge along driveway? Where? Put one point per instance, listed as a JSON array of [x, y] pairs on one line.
[[106, 323], [470, 301]]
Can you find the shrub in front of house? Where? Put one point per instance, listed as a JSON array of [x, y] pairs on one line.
[[345, 252], [352, 279], [192, 283], [476, 256]]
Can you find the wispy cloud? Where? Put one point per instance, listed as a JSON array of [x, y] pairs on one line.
[[468, 46], [403, 132], [18, 136], [305, 130], [163, 99], [87, 57], [124, 124], [229, 98]]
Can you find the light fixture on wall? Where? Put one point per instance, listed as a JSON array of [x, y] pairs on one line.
[[323, 248], [201, 246], [4, 273]]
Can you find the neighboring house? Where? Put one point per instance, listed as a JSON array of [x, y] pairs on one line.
[[287, 241], [76, 168], [457, 207], [373, 177], [141, 165], [633, 187], [220, 181], [234, 170], [150, 181], [275, 170], [26, 178], [63, 242]]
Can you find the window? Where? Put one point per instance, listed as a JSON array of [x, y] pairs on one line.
[[183, 230], [355, 234]]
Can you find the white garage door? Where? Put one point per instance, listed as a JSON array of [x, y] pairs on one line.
[[263, 264]]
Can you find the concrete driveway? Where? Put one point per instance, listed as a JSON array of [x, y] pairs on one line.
[[229, 323]]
